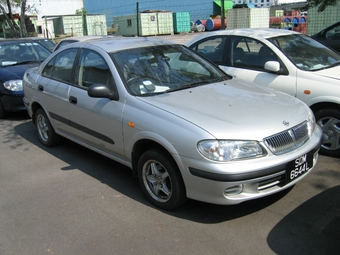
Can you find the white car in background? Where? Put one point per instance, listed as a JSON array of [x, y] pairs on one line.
[[283, 60]]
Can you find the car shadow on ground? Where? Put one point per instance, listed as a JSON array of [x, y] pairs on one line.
[[312, 228], [17, 116], [121, 179]]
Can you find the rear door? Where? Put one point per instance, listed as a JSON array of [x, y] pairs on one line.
[[54, 84]]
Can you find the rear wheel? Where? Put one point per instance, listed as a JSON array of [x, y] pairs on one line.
[[329, 121], [46, 133], [161, 180]]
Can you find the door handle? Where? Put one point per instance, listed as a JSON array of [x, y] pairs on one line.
[[73, 100], [40, 87]]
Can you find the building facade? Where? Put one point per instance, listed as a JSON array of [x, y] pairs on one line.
[[55, 7]]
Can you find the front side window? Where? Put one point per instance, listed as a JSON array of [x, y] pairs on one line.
[[249, 53], [92, 69], [164, 69]]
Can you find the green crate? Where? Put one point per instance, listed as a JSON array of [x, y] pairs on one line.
[[181, 22]]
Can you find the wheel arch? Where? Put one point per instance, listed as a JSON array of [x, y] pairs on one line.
[[143, 145], [34, 107], [323, 105]]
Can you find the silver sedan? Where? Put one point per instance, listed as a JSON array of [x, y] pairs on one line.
[[184, 127]]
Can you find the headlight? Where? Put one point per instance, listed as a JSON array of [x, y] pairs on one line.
[[310, 122], [227, 150], [13, 85]]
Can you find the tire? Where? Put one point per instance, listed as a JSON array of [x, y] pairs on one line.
[[3, 112], [329, 121], [160, 180], [46, 133]]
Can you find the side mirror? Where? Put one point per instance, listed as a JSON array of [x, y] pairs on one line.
[[102, 91], [272, 66]]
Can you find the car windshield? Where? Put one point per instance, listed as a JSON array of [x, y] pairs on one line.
[[306, 53], [15, 53], [162, 69], [47, 43]]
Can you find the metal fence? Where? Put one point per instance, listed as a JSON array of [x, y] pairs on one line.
[[286, 16]]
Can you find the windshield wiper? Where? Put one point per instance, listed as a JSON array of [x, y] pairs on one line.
[[222, 78], [326, 67], [334, 64], [187, 86], [22, 62]]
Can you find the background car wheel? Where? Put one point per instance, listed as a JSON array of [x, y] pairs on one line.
[[161, 180], [329, 121], [46, 133], [3, 112]]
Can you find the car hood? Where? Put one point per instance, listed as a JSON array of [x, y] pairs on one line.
[[233, 109], [15, 71], [333, 73]]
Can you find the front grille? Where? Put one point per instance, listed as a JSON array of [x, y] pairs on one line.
[[288, 140]]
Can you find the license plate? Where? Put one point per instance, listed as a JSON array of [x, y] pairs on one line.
[[299, 167]]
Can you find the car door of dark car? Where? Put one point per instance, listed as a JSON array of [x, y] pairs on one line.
[[97, 121], [333, 38], [330, 37]]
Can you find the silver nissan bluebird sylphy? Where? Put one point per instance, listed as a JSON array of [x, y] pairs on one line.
[[183, 126]]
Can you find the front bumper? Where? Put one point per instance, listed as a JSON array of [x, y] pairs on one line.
[[13, 102], [239, 181]]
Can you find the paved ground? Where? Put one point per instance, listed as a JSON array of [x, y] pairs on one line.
[[69, 200]]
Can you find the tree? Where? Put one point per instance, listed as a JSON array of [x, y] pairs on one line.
[[22, 19], [81, 11], [9, 17], [321, 4], [6, 8]]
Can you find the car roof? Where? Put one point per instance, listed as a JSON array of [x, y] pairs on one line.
[[38, 38], [85, 37], [258, 33], [121, 43], [63, 42]]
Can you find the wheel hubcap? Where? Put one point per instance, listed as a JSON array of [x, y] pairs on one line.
[[157, 181], [42, 128], [331, 133]]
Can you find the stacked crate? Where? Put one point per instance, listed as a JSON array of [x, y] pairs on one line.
[[165, 23], [181, 22]]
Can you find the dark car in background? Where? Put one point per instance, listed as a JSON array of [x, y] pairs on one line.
[[16, 56], [330, 36]]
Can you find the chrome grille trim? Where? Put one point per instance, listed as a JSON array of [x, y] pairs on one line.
[[287, 140], [275, 181]]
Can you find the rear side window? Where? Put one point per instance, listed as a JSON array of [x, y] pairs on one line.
[[60, 67], [211, 48]]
